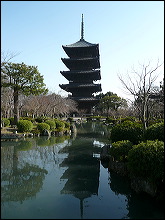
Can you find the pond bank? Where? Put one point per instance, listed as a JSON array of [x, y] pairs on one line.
[[138, 184], [12, 133]]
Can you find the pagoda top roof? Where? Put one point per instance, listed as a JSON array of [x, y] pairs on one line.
[[81, 43]]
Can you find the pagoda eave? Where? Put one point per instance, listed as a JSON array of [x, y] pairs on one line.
[[86, 99], [88, 51], [81, 64], [84, 87], [85, 75]]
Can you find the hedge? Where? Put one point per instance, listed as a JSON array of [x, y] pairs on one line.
[[6, 122], [147, 160], [119, 150], [24, 126], [59, 124], [155, 131], [51, 123], [127, 130], [43, 126]]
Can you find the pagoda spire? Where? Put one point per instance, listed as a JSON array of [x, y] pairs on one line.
[[82, 29]]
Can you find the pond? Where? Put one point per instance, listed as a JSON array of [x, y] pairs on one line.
[[63, 178]]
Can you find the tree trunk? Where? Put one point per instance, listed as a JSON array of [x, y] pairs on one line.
[[16, 110], [144, 114]]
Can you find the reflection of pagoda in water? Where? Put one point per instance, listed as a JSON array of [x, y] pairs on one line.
[[83, 170], [84, 68]]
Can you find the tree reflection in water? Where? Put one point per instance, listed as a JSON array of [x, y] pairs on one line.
[[33, 171], [19, 181]]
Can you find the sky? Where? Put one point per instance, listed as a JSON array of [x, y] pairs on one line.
[[129, 33]]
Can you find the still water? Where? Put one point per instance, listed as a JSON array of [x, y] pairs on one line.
[[63, 178]]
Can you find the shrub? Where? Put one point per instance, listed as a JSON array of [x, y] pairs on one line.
[[51, 123], [43, 126], [59, 129], [11, 120], [128, 118], [119, 150], [41, 119], [127, 130], [67, 125], [27, 118], [147, 160], [24, 126], [6, 122], [111, 120], [70, 119], [59, 124], [155, 120], [155, 131]]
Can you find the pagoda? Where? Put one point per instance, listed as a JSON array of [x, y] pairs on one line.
[[84, 68]]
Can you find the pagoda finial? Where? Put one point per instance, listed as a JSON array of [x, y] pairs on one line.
[[82, 29]]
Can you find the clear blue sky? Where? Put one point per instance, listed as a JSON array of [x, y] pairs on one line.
[[128, 33]]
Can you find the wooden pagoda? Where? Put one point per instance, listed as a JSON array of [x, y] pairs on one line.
[[84, 68]]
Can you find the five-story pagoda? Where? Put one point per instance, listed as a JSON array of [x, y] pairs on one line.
[[84, 68]]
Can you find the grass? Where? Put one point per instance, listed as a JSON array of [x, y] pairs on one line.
[[7, 130]]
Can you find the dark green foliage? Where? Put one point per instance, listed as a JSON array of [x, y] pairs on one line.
[[147, 160], [70, 119], [51, 123], [59, 124], [128, 118], [119, 150], [67, 125], [5, 122], [11, 120], [155, 120], [111, 120], [155, 131], [60, 129], [41, 119], [22, 79], [24, 126], [127, 130], [27, 118], [43, 126]]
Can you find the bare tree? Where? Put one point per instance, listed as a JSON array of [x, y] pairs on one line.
[[51, 105], [141, 87], [7, 102], [6, 93], [7, 56]]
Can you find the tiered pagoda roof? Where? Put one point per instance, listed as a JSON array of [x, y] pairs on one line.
[[82, 48], [81, 63], [85, 75], [84, 68]]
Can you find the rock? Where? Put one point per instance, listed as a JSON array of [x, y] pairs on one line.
[[118, 167], [140, 185], [45, 132], [73, 128], [30, 134], [104, 155], [53, 133]]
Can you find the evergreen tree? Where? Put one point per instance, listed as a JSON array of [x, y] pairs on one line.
[[23, 79]]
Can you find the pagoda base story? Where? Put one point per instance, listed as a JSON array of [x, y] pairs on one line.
[[86, 107]]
